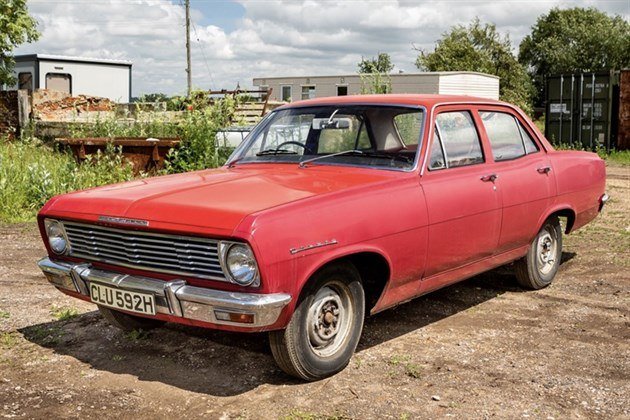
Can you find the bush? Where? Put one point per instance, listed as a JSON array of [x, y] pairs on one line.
[[31, 173], [197, 128], [198, 131]]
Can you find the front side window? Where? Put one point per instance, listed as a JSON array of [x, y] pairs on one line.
[[507, 137], [459, 139], [365, 135]]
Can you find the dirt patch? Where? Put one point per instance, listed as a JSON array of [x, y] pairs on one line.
[[481, 348]]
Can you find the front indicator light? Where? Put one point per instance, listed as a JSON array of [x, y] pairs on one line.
[[241, 318]]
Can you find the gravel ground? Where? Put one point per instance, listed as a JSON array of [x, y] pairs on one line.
[[481, 348]]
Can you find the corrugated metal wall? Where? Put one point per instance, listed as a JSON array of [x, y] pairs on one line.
[[581, 109]]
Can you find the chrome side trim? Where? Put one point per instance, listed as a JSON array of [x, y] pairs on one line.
[[174, 298], [303, 248]]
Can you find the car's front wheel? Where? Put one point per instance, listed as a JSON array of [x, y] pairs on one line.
[[326, 326], [128, 322], [539, 267]]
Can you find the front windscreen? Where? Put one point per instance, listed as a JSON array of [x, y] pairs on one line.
[[374, 136]]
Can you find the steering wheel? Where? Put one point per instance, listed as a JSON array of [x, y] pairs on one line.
[[295, 143]]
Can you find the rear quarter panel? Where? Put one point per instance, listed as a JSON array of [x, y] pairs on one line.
[[581, 181]]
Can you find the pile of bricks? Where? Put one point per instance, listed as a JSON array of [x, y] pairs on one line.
[[57, 106]]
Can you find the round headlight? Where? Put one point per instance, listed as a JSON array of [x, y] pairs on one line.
[[56, 237], [241, 264]]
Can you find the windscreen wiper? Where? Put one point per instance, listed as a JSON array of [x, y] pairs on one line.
[[276, 152], [345, 152], [372, 154], [385, 155]]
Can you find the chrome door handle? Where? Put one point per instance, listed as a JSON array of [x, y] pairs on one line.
[[489, 178], [544, 170]]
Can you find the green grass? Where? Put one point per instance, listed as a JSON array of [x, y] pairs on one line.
[[63, 313], [621, 157], [137, 335], [8, 340], [4, 315], [45, 335], [297, 414], [413, 370], [31, 173]]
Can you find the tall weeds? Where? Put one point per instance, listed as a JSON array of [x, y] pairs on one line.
[[31, 173]]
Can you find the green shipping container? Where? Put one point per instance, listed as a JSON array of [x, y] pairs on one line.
[[582, 109]]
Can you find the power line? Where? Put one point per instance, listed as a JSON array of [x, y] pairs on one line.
[[203, 54]]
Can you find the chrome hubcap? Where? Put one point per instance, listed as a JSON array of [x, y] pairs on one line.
[[329, 319], [546, 251]]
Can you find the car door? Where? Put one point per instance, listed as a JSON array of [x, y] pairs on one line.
[[525, 177], [464, 209]]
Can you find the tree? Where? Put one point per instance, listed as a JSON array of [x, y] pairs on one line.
[[379, 64], [481, 48], [374, 73], [16, 27], [575, 40]]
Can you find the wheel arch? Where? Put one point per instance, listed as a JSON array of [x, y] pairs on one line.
[[564, 210], [373, 266]]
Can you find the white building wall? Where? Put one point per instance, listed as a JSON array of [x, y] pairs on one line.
[[25, 67], [470, 84], [95, 79], [447, 83]]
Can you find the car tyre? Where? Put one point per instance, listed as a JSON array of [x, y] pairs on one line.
[[128, 322], [326, 326], [539, 267]]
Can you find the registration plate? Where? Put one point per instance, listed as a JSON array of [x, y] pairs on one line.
[[141, 303]]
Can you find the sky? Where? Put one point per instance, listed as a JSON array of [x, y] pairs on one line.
[[236, 41]]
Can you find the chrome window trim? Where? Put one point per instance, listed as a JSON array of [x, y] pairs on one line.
[[481, 103], [263, 123]]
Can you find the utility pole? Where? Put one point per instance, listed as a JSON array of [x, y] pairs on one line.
[[188, 66]]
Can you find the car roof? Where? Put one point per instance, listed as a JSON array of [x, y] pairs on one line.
[[393, 99]]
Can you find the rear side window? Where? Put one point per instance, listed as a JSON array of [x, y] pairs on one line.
[[459, 140], [508, 138]]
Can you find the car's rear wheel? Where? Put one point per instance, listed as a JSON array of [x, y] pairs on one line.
[[326, 326], [539, 267], [128, 322]]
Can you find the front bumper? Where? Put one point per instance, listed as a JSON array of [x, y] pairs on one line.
[[173, 298]]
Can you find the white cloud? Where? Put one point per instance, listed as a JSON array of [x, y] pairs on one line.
[[273, 37]]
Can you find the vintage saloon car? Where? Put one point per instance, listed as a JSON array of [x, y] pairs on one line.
[[330, 209]]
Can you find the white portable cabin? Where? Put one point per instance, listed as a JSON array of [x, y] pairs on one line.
[[290, 89], [74, 75]]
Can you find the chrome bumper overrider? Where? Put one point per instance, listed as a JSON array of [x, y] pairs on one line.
[[174, 298], [602, 201]]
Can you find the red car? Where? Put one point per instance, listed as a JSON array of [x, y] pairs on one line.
[[330, 209]]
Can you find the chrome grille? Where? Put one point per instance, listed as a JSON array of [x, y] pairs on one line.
[[183, 255]]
